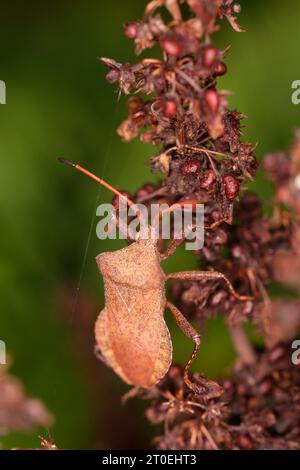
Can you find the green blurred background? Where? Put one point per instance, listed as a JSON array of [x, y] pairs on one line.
[[58, 103]]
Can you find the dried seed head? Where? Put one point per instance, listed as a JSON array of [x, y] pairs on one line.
[[112, 76], [231, 187], [190, 168], [212, 100], [208, 180], [134, 104], [130, 30], [242, 418], [145, 191], [220, 69], [184, 106], [171, 45], [209, 56], [170, 108]]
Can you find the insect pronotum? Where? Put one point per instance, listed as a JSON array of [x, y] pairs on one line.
[[131, 333]]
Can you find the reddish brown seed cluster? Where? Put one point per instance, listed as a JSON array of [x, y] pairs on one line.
[[131, 30], [220, 69], [184, 112], [212, 100], [208, 179], [190, 167], [170, 108], [210, 55], [231, 187], [112, 76], [172, 45]]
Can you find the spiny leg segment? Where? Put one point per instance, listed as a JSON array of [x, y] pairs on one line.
[[207, 276], [191, 333]]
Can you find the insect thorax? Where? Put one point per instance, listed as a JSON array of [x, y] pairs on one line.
[[137, 265]]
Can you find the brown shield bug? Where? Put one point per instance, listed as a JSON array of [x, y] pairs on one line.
[[131, 334]]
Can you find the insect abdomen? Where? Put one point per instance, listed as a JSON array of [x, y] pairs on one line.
[[132, 334]]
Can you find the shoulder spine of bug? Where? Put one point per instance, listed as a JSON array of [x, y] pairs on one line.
[[131, 334]]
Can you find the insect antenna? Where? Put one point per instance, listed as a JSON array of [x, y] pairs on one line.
[[96, 178], [91, 175]]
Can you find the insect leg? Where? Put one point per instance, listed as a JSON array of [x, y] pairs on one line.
[[191, 333], [122, 226], [177, 242], [206, 276], [172, 247]]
